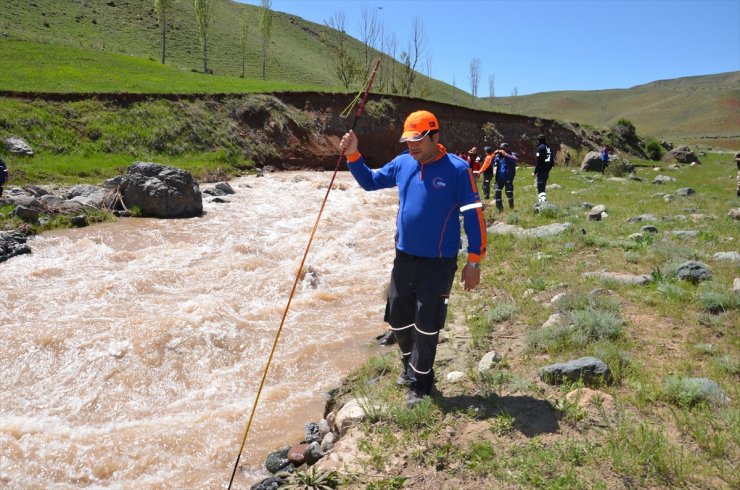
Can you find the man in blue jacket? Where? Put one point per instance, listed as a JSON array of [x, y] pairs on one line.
[[434, 189], [505, 172]]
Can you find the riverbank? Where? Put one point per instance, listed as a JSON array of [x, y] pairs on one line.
[[612, 289]]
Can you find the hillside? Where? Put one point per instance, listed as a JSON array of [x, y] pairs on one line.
[[297, 53], [701, 110]]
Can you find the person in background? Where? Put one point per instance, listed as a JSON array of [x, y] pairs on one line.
[[505, 172], [487, 171], [473, 160], [604, 158], [4, 175], [545, 160], [434, 189]]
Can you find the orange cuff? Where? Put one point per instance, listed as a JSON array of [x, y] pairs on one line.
[[353, 157], [475, 258]]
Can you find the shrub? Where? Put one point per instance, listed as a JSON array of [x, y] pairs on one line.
[[501, 312], [683, 392], [654, 150], [716, 299]]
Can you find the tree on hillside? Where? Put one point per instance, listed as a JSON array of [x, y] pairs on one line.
[[369, 30], [162, 7], [265, 30], [203, 14], [344, 65], [514, 94], [491, 89], [390, 46], [474, 79], [244, 33], [410, 58]]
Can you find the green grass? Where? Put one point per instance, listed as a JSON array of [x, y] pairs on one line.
[[65, 69]]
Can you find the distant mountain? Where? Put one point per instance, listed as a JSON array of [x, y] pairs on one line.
[[702, 109]]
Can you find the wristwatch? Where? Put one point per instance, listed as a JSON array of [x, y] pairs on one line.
[[474, 265]]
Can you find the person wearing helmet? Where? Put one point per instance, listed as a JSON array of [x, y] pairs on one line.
[[486, 170], [545, 160], [434, 189], [505, 164]]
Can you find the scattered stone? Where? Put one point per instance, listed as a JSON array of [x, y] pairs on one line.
[[544, 206], [488, 360], [620, 277], [350, 414], [685, 233], [594, 216], [555, 320], [220, 200], [79, 221], [668, 197], [681, 154], [29, 215], [12, 243], [311, 432], [557, 298], [693, 271], [499, 228], [312, 453], [455, 376], [590, 369], [270, 483], [642, 217], [18, 146], [730, 256], [635, 237], [327, 443], [225, 187], [685, 191], [734, 213], [662, 179], [277, 460], [296, 456], [736, 285], [649, 229]]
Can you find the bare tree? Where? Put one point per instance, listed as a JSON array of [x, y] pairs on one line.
[[162, 7], [474, 79], [514, 93], [410, 58], [244, 33], [265, 30], [491, 89], [369, 31], [345, 67], [203, 14], [392, 48]]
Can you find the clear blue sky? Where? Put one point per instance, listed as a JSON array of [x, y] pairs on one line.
[[542, 46]]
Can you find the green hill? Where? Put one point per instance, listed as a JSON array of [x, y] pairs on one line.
[[703, 109], [115, 46], [298, 52]]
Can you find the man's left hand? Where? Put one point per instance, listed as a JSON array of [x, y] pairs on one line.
[[470, 277]]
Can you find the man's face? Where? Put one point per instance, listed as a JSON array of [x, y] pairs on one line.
[[425, 150]]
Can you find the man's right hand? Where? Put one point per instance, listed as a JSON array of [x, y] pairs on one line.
[[348, 145]]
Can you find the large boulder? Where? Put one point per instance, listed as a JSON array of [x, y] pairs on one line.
[[682, 154], [161, 191], [592, 162]]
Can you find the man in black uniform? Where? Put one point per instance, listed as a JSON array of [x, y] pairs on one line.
[[4, 174], [543, 166]]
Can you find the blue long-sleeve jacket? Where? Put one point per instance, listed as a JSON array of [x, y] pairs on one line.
[[431, 198]]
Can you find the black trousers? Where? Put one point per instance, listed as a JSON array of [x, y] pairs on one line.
[[487, 178], [542, 181], [416, 311]]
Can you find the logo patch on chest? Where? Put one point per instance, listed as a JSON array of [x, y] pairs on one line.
[[438, 183]]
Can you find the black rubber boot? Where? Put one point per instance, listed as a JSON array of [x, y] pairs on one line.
[[511, 204]]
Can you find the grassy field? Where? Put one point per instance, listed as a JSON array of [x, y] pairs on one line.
[[506, 428], [298, 55], [63, 69]]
